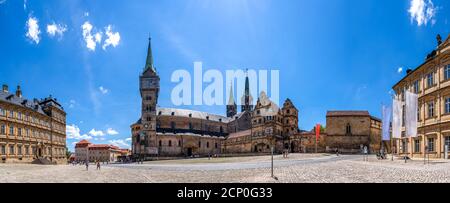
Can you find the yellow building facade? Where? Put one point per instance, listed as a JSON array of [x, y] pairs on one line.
[[431, 81], [31, 130]]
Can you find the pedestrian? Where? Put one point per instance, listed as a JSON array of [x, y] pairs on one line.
[[366, 152], [337, 152], [87, 165], [98, 165]]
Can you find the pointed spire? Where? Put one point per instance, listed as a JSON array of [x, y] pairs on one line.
[[231, 101], [149, 62], [247, 84]]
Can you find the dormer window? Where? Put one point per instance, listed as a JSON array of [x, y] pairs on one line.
[[220, 120], [159, 113], [190, 115], [173, 113], [207, 117]]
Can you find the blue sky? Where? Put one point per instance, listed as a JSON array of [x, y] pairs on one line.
[[332, 55]]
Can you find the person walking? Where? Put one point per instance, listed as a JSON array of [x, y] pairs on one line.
[[87, 165], [98, 165], [366, 152]]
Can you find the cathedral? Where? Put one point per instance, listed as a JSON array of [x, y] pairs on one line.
[[170, 132]]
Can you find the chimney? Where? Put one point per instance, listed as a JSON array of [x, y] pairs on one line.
[[18, 92], [5, 88]]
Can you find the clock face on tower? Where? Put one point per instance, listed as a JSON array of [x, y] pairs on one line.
[[149, 83]]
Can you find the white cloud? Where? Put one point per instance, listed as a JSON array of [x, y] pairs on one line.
[[2, 1], [103, 90], [98, 37], [72, 103], [111, 131], [400, 70], [56, 29], [88, 37], [422, 12], [86, 14], [96, 133], [128, 139], [24, 4], [33, 29], [113, 38], [73, 132], [120, 143]]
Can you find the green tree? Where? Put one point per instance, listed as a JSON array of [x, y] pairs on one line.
[[68, 153]]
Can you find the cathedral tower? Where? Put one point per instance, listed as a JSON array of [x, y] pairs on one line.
[[231, 106], [290, 118], [247, 99], [149, 89]]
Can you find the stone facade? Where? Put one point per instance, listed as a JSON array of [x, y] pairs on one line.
[[170, 132], [31, 130], [349, 130], [431, 81]]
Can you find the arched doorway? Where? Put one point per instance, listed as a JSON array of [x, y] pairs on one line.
[[292, 147]]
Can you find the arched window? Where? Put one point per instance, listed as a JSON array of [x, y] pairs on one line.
[[348, 129], [179, 143], [190, 126], [221, 129], [215, 145], [207, 144], [160, 143], [199, 144], [172, 125], [170, 143]]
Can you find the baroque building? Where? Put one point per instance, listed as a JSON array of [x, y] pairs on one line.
[[170, 132], [31, 130], [431, 81]]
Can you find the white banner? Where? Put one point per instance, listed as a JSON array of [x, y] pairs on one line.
[[411, 114], [397, 112], [386, 111]]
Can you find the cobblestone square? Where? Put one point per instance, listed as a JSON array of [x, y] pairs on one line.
[[297, 168]]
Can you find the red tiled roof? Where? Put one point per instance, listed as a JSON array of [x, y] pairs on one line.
[[84, 142]]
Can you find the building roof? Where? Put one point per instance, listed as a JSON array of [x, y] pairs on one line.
[[84, 142], [347, 113], [192, 114], [240, 134], [34, 105], [441, 46], [105, 146]]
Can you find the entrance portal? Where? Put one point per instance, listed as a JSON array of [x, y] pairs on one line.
[[189, 151]]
